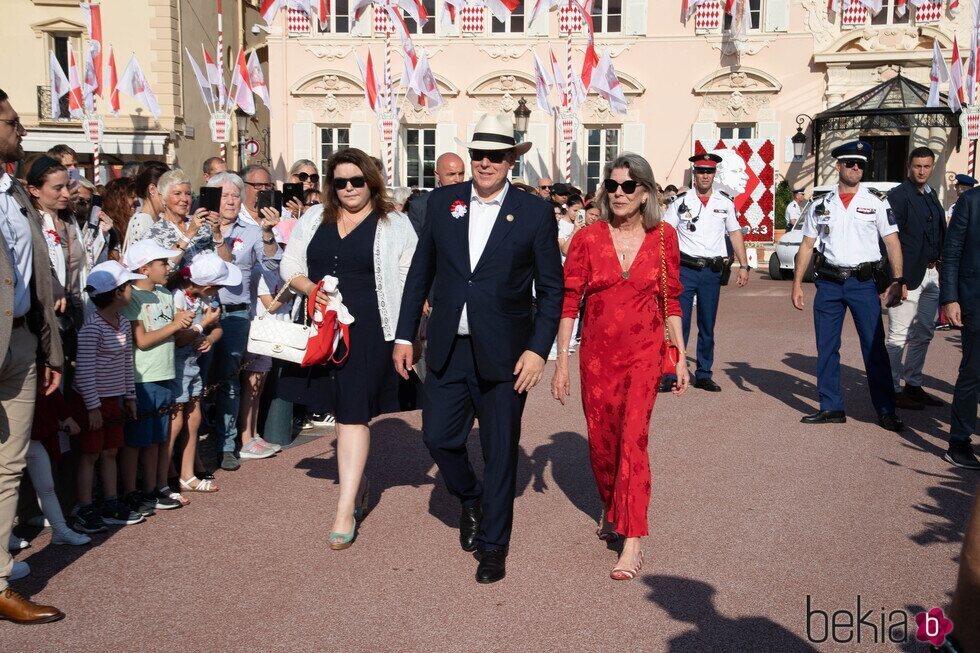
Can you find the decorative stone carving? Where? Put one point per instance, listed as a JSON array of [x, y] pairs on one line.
[[329, 105], [817, 24], [330, 52], [737, 106], [505, 53], [884, 73], [737, 78], [754, 45]]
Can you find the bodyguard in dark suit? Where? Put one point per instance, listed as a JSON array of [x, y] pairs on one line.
[[450, 170], [911, 325], [960, 297], [484, 244]]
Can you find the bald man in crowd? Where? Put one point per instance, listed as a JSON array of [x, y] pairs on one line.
[[450, 170]]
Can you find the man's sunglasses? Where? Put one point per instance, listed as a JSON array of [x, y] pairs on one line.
[[544, 187], [302, 176], [494, 156], [854, 163], [611, 186], [704, 171], [340, 183]]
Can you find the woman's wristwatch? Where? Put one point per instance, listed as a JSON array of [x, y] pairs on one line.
[[744, 267]]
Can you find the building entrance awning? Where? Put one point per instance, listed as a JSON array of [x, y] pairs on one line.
[[39, 139], [896, 105]]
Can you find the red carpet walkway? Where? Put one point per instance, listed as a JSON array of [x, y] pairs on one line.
[[751, 513]]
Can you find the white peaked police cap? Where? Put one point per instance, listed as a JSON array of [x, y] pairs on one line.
[[208, 269], [146, 251], [108, 276]]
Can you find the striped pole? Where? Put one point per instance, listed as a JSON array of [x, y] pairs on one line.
[[389, 145], [96, 150], [568, 102], [972, 162], [221, 73]]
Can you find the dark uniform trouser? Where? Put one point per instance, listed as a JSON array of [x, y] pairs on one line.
[[451, 399], [706, 285], [963, 415], [832, 300]]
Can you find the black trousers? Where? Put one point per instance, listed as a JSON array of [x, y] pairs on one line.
[[452, 398], [963, 416]]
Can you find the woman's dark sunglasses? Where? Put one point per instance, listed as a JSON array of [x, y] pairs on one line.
[[340, 183], [611, 186], [495, 156], [302, 176]]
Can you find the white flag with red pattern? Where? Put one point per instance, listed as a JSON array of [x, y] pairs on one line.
[[269, 9], [955, 99], [111, 80], [59, 86], [75, 101], [133, 83]]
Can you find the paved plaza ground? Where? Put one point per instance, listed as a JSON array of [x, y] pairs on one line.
[[751, 513]]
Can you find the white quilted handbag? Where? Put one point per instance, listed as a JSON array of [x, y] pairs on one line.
[[286, 341]]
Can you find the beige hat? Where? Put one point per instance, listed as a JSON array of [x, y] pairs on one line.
[[495, 131]]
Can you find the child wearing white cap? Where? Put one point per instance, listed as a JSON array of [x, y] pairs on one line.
[[105, 395], [193, 290], [154, 324]]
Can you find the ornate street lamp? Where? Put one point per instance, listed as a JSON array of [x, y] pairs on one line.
[[799, 138], [521, 116]]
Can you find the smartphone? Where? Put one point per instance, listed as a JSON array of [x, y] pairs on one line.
[[95, 210], [291, 192], [210, 198], [270, 199], [74, 176], [96, 201]]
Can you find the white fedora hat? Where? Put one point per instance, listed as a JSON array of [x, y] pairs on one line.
[[495, 131]]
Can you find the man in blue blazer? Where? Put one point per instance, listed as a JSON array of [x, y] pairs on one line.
[[488, 255], [959, 287]]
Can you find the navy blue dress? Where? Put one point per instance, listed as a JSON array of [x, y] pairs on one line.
[[365, 385]]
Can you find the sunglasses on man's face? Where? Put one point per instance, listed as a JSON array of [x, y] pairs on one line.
[[853, 163], [340, 183], [494, 156], [302, 176], [611, 186], [704, 171], [544, 187]]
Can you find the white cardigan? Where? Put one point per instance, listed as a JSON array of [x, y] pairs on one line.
[[394, 247], [95, 253]]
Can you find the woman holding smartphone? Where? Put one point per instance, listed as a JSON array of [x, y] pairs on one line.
[[188, 233]]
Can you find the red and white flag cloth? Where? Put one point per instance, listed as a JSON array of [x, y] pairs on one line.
[[501, 9], [741, 15], [451, 9], [543, 7], [937, 74], [242, 85], [370, 81], [75, 101], [416, 10], [689, 8], [558, 77], [954, 8], [837, 6], [955, 99], [90, 82], [211, 68], [874, 6], [542, 85], [59, 86], [301, 5], [207, 93], [971, 69], [93, 20], [591, 58], [578, 90], [269, 9], [322, 8], [606, 83], [358, 7], [111, 81], [424, 83], [257, 79], [133, 83]]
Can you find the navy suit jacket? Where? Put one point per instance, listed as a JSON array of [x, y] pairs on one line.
[[959, 276], [913, 231], [497, 289]]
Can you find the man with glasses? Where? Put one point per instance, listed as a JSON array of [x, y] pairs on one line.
[[849, 272], [29, 341], [483, 245], [544, 187], [257, 178], [702, 218]]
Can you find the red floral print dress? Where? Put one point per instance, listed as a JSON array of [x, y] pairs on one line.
[[620, 359]]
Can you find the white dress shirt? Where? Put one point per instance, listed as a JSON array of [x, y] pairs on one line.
[[20, 245], [849, 236], [483, 215], [792, 214], [701, 228]]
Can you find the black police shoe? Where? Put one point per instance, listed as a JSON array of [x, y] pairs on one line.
[[962, 455], [492, 567], [825, 417], [890, 422], [707, 384]]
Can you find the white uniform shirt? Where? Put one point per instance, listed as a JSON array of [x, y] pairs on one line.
[[483, 215], [20, 245], [849, 236], [710, 223], [793, 212]]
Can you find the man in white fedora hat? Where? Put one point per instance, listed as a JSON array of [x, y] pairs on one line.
[[482, 247]]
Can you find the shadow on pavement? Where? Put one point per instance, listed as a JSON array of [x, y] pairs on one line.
[[949, 509], [46, 563], [568, 454], [691, 601]]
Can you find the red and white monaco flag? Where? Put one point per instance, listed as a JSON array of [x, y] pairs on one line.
[[955, 99], [937, 74], [59, 86], [424, 83], [606, 83], [322, 11], [269, 9], [90, 83], [689, 8], [207, 93], [450, 9], [542, 84], [242, 86], [370, 81], [133, 83], [75, 101], [93, 20], [501, 9], [954, 8], [111, 80], [543, 7], [257, 79]]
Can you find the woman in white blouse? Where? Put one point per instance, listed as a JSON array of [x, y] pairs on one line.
[[356, 237], [179, 230]]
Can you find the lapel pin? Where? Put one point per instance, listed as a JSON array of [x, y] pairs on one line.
[[510, 218]]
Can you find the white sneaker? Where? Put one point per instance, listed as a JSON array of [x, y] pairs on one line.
[[254, 450], [326, 420], [39, 521], [268, 445], [15, 544], [66, 535], [19, 570]]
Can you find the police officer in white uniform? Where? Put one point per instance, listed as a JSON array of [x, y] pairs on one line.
[[795, 208], [848, 222], [702, 218]]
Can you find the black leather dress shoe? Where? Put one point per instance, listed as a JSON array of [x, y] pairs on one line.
[[492, 567], [918, 394], [469, 524], [890, 422], [707, 384], [825, 417]]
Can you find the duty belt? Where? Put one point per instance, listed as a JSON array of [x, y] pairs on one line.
[[715, 264], [841, 273]]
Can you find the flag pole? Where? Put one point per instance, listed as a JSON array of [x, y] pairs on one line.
[[221, 72], [568, 94], [389, 92]]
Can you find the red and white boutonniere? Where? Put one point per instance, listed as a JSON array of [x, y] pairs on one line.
[[236, 245], [458, 209], [52, 237]]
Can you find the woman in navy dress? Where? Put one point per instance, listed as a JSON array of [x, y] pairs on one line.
[[356, 237]]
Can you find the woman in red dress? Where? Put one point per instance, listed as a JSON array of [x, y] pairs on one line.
[[619, 264]]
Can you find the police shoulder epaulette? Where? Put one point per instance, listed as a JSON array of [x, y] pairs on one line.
[[877, 192], [725, 194]]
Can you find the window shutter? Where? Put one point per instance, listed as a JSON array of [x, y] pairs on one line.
[[634, 134], [360, 136], [777, 16], [302, 140], [635, 17]]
